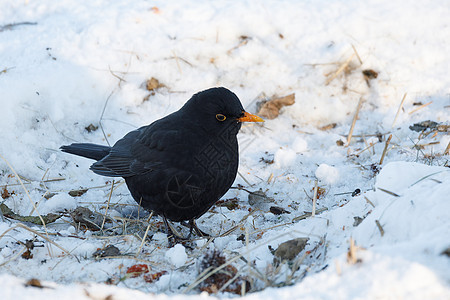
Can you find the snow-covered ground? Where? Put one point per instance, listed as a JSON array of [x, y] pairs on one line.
[[65, 65]]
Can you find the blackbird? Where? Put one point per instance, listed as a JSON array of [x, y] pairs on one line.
[[180, 165]]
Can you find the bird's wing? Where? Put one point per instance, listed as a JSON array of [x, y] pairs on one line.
[[138, 152]]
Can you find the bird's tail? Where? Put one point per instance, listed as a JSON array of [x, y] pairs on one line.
[[91, 151]]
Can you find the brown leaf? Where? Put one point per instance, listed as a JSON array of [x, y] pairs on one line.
[[328, 127], [6, 194], [34, 283], [276, 210], [320, 191], [229, 203], [77, 193], [91, 127], [271, 109], [137, 270], [154, 277], [370, 74], [153, 84], [27, 254]]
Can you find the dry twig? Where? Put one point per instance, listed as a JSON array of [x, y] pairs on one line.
[[107, 204], [313, 213], [341, 68], [379, 227], [447, 150], [145, 235], [385, 149], [420, 107], [349, 137], [398, 110], [357, 55]]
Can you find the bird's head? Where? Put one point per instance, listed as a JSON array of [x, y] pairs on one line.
[[218, 109]]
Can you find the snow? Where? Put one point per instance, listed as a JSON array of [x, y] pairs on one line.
[[177, 255], [77, 64], [58, 203], [327, 174]]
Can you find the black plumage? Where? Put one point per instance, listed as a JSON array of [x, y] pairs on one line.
[[180, 165]]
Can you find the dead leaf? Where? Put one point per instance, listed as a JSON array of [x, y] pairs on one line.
[[108, 251], [91, 127], [231, 204], [77, 193], [369, 74], [328, 127], [48, 218], [87, 218], [424, 125], [259, 199], [6, 194], [154, 277], [137, 270], [155, 10], [153, 84], [290, 249], [276, 210], [271, 109], [34, 283]]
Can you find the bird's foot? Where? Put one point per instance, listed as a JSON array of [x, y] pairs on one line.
[[193, 226], [173, 234]]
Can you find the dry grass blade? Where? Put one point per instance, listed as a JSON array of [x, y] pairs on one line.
[[365, 149], [388, 192], [398, 110], [368, 201], [145, 235], [209, 272], [425, 177], [306, 215], [385, 149], [230, 281], [107, 205], [341, 68], [103, 112], [380, 228], [177, 62], [313, 213], [24, 183], [357, 55], [26, 191], [338, 268], [243, 178], [351, 254], [420, 107], [239, 224], [19, 253], [45, 237], [447, 150], [355, 117]]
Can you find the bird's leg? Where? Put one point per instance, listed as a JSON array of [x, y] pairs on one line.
[[193, 226], [171, 231]]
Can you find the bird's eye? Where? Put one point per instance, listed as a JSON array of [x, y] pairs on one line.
[[221, 117]]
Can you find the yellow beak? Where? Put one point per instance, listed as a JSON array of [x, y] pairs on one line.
[[248, 117]]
